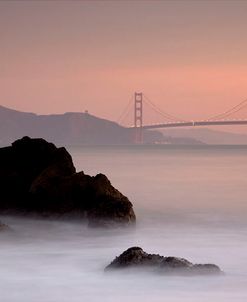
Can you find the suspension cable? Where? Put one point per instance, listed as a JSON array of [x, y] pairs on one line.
[[231, 111], [161, 112], [125, 111]]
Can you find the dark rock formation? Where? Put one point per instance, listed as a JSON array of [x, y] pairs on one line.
[[135, 257], [38, 178]]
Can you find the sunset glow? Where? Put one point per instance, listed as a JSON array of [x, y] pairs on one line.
[[123, 150], [189, 57]]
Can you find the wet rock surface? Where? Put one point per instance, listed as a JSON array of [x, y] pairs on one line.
[[135, 257], [37, 178]]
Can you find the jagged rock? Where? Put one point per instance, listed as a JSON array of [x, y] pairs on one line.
[[36, 177], [135, 257], [21, 163], [81, 194]]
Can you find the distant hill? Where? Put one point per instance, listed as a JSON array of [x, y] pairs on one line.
[[76, 128], [72, 128], [208, 136]]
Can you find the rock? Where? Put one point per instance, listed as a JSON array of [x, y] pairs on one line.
[[3, 227], [206, 268], [82, 195], [170, 263], [38, 178], [21, 163], [107, 202], [135, 257]]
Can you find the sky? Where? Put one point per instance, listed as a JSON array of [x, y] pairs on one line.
[[188, 57]]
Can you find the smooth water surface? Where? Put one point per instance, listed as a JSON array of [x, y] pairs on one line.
[[189, 201]]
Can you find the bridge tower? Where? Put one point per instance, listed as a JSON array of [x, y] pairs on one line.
[[138, 117]]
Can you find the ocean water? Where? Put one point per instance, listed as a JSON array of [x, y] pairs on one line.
[[190, 202]]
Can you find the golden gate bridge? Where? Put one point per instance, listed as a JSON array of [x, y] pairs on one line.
[[137, 103]]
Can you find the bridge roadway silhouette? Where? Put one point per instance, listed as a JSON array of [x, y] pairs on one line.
[[193, 124]]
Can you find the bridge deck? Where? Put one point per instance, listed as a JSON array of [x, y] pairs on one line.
[[195, 124]]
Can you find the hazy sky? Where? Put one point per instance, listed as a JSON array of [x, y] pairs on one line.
[[189, 57]]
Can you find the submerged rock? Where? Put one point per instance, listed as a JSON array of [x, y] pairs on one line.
[[38, 178], [135, 257]]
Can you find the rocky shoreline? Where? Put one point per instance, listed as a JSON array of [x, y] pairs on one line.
[[37, 178]]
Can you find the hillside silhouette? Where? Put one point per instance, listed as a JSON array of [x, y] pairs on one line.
[[71, 128]]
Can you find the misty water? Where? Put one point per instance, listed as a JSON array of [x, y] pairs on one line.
[[190, 202]]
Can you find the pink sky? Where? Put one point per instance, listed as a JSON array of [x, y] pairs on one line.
[[188, 57]]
